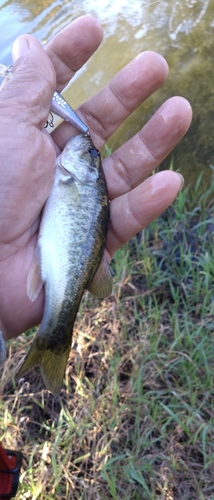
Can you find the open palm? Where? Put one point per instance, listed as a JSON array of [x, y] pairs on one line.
[[28, 152]]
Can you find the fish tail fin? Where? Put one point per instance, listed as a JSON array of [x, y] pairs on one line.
[[52, 366]]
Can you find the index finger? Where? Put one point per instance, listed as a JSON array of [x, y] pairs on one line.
[[105, 111], [71, 48]]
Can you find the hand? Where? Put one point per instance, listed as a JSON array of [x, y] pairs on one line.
[[27, 153]]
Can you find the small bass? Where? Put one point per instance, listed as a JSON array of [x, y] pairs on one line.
[[69, 257]]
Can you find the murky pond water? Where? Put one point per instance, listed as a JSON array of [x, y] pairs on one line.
[[181, 30]]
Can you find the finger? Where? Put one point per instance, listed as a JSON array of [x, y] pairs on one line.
[[137, 158], [133, 211], [105, 112], [72, 47], [29, 92]]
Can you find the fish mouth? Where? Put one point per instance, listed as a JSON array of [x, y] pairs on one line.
[[84, 142]]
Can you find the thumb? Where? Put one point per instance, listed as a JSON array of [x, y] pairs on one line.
[[32, 85]]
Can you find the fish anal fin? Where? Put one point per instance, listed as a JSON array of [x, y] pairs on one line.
[[34, 281], [101, 286], [52, 366]]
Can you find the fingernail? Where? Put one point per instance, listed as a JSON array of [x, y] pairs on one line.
[[20, 47], [181, 180]]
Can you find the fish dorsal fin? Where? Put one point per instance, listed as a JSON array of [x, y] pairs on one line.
[[101, 286], [34, 281]]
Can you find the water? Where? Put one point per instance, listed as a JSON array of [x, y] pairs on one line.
[[182, 31]]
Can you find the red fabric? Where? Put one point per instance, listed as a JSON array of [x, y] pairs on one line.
[[7, 462]]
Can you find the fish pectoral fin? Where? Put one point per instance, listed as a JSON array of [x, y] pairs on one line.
[[34, 281], [52, 366], [74, 193], [101, 286]]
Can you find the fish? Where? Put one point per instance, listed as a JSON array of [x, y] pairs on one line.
[[69, 257], [59, 106]]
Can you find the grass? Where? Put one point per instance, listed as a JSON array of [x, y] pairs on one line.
[[135, 417]]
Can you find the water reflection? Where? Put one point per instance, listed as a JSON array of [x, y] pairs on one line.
[[182, 31], [181, 21]]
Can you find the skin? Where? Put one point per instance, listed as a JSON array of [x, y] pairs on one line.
[[28, 152]]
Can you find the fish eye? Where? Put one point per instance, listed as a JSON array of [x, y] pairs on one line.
[[94, 152]]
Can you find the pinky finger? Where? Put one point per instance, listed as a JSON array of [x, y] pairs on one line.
[[133, 211]]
